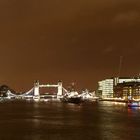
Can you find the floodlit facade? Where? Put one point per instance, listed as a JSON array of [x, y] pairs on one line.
[[127, 90], [106, 87]]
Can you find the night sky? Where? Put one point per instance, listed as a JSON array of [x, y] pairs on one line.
[[77, 41]]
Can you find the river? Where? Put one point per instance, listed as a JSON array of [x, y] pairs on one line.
[[60, 121]]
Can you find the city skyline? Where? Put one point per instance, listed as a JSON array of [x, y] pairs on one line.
[[73, 41]]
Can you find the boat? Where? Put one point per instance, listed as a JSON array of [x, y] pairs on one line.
[[88, 97], [73, 99], [133, 103]]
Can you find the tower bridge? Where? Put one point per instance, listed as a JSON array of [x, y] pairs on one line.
[[59, 87], [35, 91]]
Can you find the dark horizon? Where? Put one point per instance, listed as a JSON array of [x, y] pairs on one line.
[[73, 41]]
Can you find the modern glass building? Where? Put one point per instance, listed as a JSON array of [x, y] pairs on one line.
[[105, 88]]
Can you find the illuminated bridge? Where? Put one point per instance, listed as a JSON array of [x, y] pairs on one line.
[[35, 94]]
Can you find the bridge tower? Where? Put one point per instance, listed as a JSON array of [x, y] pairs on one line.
[[60, 88], [36, 88]]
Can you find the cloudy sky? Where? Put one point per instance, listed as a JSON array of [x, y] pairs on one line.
[[77, 41]]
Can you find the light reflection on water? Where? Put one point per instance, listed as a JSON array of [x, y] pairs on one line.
[[58, 121]]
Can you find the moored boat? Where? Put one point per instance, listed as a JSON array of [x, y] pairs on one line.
[[74, 99], [133, 103]]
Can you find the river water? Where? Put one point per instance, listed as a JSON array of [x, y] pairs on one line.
[[59, 121]]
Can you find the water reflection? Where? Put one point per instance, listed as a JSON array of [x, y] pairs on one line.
[[58, 121]]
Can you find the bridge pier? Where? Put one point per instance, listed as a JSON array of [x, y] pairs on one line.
[[60, 88], [36, 88]]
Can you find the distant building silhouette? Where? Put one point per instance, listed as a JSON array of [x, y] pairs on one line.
[[4, 89]]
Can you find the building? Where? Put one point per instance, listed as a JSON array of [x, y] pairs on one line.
[[127, 90], [106, 87]]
